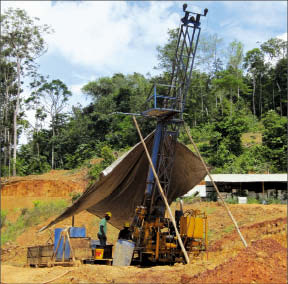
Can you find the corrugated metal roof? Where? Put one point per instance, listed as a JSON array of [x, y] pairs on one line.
[[248, 178]]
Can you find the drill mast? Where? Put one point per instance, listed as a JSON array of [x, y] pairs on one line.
[[166, 103]]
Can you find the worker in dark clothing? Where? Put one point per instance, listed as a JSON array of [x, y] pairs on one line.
[[125, 233], [103, 229]]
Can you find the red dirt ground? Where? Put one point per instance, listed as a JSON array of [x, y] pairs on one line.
[[263, 226], [265, 261]]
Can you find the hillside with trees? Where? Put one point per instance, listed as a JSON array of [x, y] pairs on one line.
[[236, 106]]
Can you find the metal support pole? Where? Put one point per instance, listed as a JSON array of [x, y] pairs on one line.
[[162, 193], [215, 186]]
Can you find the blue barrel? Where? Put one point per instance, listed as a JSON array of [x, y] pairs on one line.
[[77, 232], [123, 253]]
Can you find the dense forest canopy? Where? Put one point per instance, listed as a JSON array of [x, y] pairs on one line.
[[236, 106]]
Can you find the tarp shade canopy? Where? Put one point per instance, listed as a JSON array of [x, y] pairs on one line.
[[121, 186]]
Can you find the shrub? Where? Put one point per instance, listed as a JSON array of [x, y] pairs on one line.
[[74, 196], [108, 158], [252, 200], [272, 200], [231, 200], [3, 218]]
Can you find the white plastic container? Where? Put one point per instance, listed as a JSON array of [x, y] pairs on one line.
[[242, 200], [123, 253]]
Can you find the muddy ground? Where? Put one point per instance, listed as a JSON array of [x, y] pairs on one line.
[[227, 261]]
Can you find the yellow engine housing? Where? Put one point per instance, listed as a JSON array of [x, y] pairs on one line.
[[192, 227]]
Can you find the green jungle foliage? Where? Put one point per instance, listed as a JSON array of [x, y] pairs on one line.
[[108, 158], [231, 93]]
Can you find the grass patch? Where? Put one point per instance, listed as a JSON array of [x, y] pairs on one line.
[[191, 199], [210, 234], [209, 210], [31, 217], [228, 229], [251, 138]]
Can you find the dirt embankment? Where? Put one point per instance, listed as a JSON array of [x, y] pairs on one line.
[[41, 188], [263, 226], [52, 184], [264, 261], [20, 192]]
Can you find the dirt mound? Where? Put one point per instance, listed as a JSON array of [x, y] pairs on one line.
[[43, 188], [252, 232], [52, 184], [262, 262]]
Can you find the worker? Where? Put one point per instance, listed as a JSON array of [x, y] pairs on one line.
[[125, 233], [103, 229]]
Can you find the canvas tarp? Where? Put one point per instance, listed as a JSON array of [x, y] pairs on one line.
[[121, 186]]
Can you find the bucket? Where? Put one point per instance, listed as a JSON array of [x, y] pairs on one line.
[[123, 253], [99, 253]]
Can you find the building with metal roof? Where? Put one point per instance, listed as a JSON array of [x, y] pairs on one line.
[[260, 186], [248, 178]]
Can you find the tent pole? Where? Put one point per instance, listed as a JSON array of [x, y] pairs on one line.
[[162, 192], [215, 186]]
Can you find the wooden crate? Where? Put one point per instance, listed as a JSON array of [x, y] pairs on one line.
[[82, 253], [81, 248], [39, 255]]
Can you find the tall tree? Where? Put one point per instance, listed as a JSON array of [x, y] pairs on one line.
[[235, 58], [54, 95], [254, 62], [8, 90], [24, 38], [281, 78], [275, 140], [275, 48]]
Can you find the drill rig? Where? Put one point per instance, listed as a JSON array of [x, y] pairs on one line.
[[154, 235]]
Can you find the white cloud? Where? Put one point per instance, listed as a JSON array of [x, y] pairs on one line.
[[265, 14], [283, 36], [77, 96], [105, 35], [76, 89]]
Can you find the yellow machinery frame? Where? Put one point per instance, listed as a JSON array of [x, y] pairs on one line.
[[159, 244]]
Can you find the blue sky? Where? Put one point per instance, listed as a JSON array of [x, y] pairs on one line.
[[100, 38]]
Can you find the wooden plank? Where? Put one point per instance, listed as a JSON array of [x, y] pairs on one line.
[[71, 248]]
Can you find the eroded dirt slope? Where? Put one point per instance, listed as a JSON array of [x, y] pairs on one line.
[[56, 183]]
